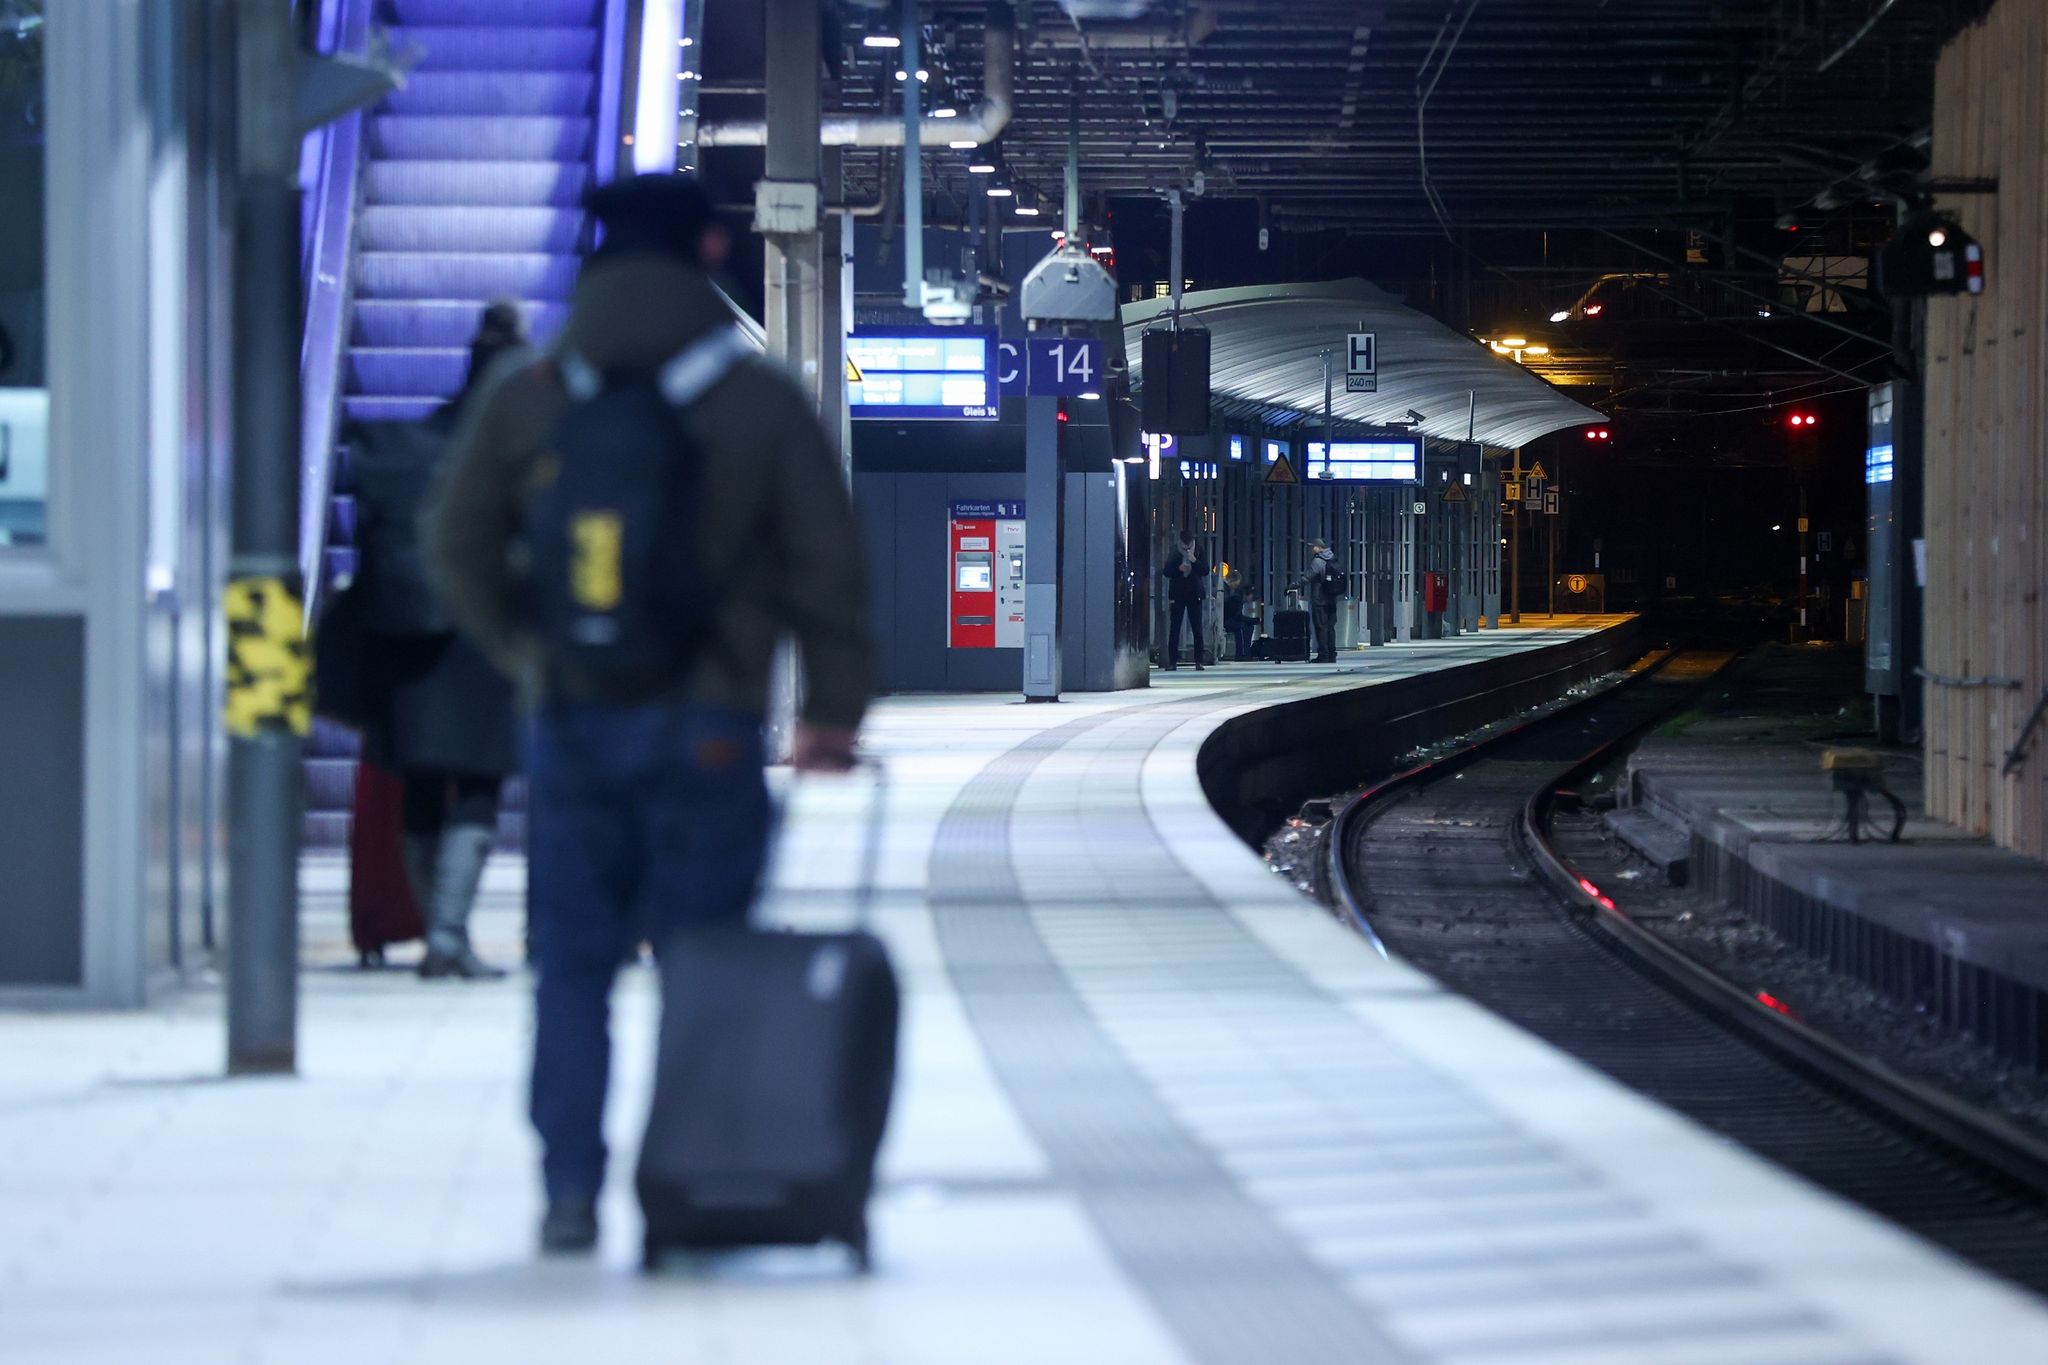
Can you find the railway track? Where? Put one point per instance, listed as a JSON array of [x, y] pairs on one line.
[[1453, 867]]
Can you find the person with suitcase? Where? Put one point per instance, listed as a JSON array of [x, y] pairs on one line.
[[441, 719], [629, 526]]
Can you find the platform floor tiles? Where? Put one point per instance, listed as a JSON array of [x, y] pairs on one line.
[[1154, 1109]]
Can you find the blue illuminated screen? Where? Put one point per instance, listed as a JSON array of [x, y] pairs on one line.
[[1364, 462], [911, 375], [1877, 464]]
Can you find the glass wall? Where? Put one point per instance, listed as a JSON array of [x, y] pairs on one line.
[[24, 395]]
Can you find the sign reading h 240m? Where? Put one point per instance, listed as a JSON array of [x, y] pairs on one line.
[[1362, 363]]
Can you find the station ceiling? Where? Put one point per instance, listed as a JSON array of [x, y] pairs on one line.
[[1266, 362], [1436, 114]]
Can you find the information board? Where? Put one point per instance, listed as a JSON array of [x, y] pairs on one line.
[[936, 374], [1364, 462]]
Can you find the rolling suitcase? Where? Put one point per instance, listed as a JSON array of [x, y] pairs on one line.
[[773, 1075], [1290, 636], [381, 907]]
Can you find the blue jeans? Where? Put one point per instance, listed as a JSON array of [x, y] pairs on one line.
[[644, 820]]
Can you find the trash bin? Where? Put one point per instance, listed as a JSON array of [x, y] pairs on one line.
[[1347, 623]]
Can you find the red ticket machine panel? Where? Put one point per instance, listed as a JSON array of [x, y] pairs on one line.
[[985, 572]]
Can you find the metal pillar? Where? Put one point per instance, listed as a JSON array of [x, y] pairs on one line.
[[913, 163], [1515, 548], [835, 294], [1044, 518], [265, 723], [793, 265], [1804, 557]]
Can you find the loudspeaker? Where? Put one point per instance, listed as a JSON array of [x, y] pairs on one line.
[[1176, 393]]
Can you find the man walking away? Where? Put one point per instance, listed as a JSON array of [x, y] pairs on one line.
[[641, 620], [1324, 585], [1187, 584]]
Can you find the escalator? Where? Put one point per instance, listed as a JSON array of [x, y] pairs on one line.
[[460, 188]]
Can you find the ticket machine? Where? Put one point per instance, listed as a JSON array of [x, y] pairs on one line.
[[985, 566]]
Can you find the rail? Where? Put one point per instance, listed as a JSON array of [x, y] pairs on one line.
[[332, 165], [1984, 1136]]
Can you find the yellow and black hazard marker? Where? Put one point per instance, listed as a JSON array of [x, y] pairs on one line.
[[270, 672]]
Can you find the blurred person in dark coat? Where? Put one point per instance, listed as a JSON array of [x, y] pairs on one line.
[[442, 717]]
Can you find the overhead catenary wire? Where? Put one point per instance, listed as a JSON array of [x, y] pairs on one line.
[[1422, 95]]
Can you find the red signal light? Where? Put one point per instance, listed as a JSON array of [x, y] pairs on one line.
[[1598, 434], [1801, 420]]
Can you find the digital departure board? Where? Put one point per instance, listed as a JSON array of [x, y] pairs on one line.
[[943, 373], [1364, 462]]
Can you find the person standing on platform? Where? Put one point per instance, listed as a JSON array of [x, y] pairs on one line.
[[1187, 587], [442, 717], [650, 809], [1244, 614], [1322, 599]]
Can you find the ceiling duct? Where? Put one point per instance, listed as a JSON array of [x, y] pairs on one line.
[[1117, 32], [979, 125]]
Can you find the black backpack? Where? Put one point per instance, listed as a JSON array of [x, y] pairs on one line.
[[1333, 583], [615, 589]]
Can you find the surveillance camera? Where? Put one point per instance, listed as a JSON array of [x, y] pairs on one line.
[[1416, 417]]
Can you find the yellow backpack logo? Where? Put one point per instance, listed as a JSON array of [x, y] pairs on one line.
[[598, 544]]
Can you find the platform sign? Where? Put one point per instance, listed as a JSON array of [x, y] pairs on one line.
[[1362, 363], [1532, 488], [923, 374], [1550, 503], [1010, 368], [1063, 367], [985, 567]]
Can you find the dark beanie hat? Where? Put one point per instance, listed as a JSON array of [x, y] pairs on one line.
[[660, 213]]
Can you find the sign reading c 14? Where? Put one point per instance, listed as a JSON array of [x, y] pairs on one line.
[[1063, 367]]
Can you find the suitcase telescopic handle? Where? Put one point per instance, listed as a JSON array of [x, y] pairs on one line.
[[869, 869], [871, 838]]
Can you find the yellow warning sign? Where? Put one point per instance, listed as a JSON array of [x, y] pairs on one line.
[[269, 680], [853, 374], [1281, 471], [1454, 491], [1536, 471]]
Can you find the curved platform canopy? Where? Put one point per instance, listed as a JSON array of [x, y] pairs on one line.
[[1266, 363]]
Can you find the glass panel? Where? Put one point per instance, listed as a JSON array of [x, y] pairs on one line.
[[24, 399]]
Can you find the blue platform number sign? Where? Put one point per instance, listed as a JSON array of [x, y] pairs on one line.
[[1010, 368], [1064, 367]]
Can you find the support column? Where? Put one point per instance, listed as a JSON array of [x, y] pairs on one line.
[[1044, 515], [266, 637], [794, 269]]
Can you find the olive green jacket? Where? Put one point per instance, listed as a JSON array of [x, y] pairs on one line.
[[779, 540]]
